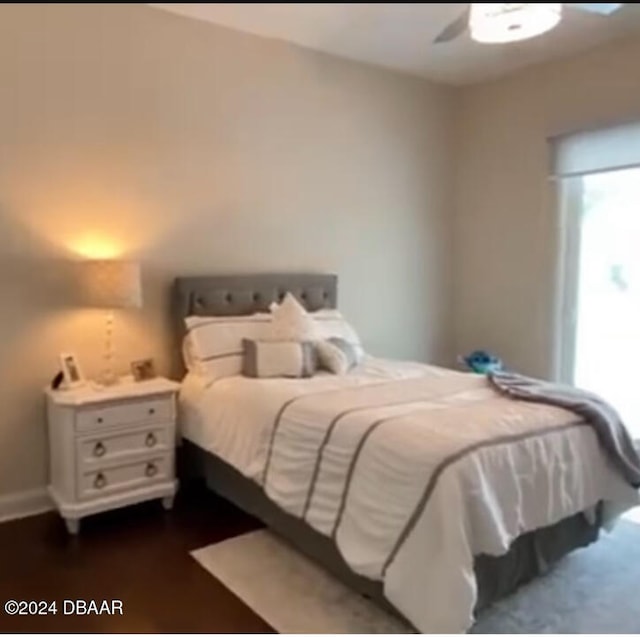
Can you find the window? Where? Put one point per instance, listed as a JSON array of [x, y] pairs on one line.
[[599, 317]]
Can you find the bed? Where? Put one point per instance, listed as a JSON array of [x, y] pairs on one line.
[[240, 433]]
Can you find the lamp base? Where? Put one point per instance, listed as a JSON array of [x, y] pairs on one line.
[[107, 378]]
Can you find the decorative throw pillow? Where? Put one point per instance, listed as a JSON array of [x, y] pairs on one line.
[[277, 359], [331, 324], [291, 322], [337, 355]]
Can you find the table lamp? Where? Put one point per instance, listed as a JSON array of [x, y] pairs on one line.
[[111, 284]]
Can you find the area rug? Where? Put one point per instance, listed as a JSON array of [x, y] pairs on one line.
[[593, 590]]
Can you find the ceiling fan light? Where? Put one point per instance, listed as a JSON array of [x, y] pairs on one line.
[[508, 22]]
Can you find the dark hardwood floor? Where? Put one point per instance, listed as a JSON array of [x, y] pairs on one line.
[[139, 555]]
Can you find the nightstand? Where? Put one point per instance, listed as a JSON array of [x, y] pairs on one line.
[[111, 447]]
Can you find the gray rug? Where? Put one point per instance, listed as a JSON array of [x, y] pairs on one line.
[[593, 590]]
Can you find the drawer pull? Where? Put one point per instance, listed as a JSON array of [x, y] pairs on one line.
[[100, 420], [99, 450], [152, 411], [100, 481], [151, 470], [151, 440]]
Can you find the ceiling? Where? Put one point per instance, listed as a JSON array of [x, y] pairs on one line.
[[399, 35]]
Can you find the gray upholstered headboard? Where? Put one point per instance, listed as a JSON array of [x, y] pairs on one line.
[[246, 294], [250, 293]]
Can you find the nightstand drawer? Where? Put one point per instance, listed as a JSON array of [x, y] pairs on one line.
[[102, 482], [157, 409], [113, 446]]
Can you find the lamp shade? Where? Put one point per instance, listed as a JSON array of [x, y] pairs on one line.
[[111, 284]]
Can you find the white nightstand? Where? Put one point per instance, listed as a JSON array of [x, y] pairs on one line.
[[111, 447]]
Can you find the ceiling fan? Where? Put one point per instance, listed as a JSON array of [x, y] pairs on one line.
[[508, 22]]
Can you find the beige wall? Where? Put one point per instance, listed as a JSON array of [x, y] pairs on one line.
[[505, 214], [127, 130]]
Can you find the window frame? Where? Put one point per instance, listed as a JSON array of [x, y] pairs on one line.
[[570, 200]]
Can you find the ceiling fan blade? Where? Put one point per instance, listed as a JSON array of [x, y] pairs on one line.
[[595, 7], [455, 29]]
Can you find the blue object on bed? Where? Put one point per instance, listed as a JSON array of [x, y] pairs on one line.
[[482, 362]]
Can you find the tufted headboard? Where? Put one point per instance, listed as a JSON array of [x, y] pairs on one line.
[[242, 294]]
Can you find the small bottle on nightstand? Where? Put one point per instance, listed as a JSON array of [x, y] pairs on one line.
[[111, 447]]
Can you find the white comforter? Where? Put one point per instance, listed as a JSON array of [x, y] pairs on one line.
[[411, 469]]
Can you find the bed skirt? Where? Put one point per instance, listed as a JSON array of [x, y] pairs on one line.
[[530, 555]]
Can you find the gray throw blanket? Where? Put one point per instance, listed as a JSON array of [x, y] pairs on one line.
[[604, 419]]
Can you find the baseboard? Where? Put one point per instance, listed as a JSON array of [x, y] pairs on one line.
[[24, 503]]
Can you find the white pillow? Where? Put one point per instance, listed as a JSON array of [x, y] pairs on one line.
[[189, 359], [327, 323], [214, 343], [291, 322]]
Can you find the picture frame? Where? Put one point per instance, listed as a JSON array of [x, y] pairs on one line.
[[143, 369], [72, 374]]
